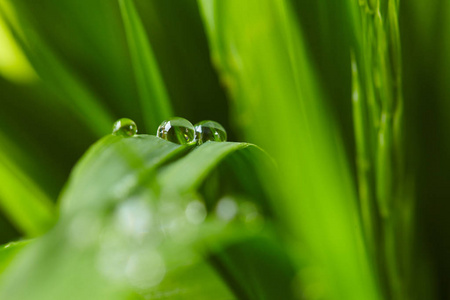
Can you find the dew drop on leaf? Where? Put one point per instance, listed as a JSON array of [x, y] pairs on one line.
[[210, 131], [177, 130], [124, 127]]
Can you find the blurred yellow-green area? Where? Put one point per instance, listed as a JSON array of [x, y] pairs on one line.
[[334, 183]]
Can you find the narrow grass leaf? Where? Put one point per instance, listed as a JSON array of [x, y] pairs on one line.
[[61, 80], [22, 200], [364, 161], [277, 100], [155, 103]]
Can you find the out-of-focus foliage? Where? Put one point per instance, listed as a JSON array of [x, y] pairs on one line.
[[137, 233], [348, 98]]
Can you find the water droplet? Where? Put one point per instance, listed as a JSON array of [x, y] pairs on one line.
[[195, 212], [210, 131], [124, 127], [177, 130]]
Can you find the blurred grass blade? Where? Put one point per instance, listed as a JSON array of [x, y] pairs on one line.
[[56, 75], [9, 251], [13, 64], [384, 176], [445, 89], [155, 103], [364, 162], [316, 191], [25, 204]]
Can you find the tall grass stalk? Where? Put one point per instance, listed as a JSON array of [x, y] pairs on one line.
[[386, 206]]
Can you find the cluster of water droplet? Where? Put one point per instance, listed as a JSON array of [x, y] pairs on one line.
[[177, 130], [181, 131], [133, 239]]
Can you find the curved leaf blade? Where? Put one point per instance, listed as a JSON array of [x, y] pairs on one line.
[[187, 173]]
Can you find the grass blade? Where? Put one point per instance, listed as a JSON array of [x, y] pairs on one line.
[[278, 102], [26, 205], [53, 72], [155, 103]]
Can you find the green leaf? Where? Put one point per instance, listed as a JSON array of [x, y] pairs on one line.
[[187, 173], [198, 281], [122, 163], [9, 251], [110, 170], [116, 174], [155, 103]]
